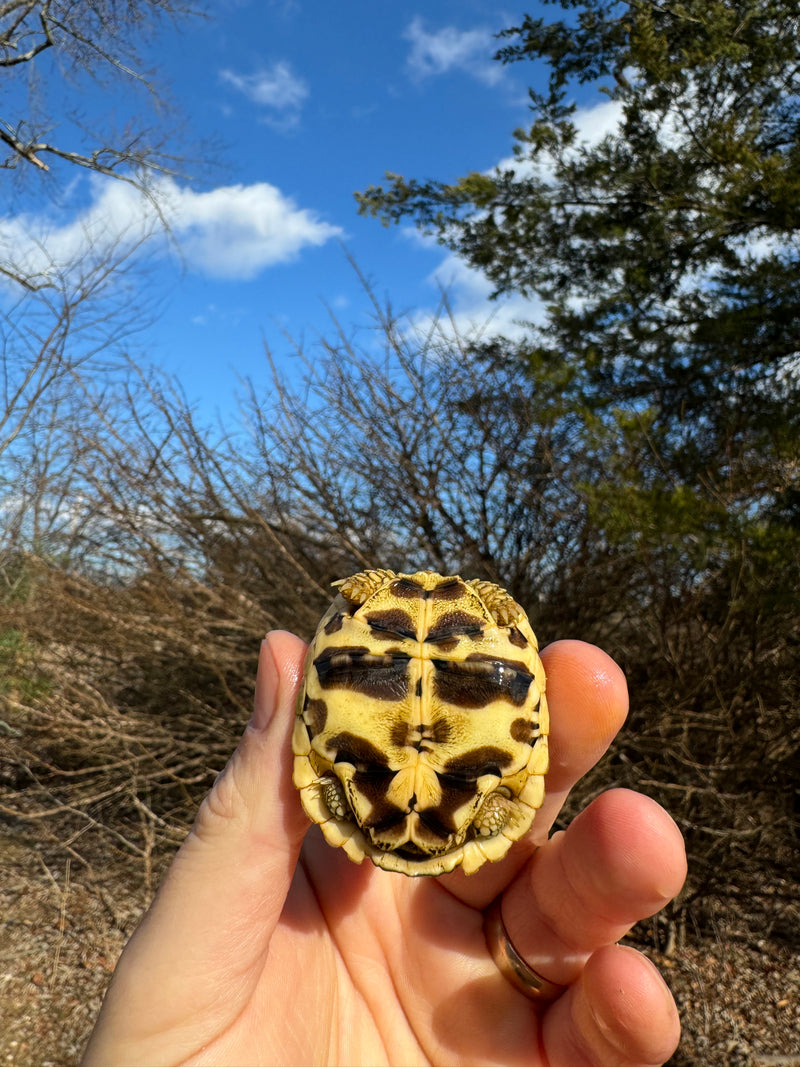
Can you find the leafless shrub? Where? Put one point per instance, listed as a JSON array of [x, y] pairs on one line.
[[411, 453], [186, 542]]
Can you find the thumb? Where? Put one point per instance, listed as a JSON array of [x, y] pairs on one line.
[[240, 856], [197, 956]]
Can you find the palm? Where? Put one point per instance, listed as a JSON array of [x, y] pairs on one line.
[[391, 970], [257, 952]]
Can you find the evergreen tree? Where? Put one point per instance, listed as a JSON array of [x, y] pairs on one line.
[[666, 252]]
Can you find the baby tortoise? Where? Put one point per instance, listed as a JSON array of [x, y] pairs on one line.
[[421, 731]]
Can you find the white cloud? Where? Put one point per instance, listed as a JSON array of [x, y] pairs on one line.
[[232, 232], [277, 89], [592, 125], [471, 313], [440, 51], [238, 230]]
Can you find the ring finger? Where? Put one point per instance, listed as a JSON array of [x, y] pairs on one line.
[[620, 860]]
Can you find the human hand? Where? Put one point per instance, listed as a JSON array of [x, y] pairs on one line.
[[256, 950]]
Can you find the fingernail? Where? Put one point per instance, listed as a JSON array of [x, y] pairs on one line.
[[267, 682]]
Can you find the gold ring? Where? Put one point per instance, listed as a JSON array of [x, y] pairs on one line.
[[509, 962]]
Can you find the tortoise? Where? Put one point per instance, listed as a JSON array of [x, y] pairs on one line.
[[420, 738]]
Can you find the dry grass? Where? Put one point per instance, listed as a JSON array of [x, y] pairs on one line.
[[65, 924]]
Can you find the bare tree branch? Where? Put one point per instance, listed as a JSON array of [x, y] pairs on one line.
[[95, 38], [25, 151], [9, 43]]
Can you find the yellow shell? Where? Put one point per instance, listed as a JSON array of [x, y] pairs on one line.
[[421, 731]]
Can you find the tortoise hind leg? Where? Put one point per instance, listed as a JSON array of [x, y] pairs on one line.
[[493, 814]]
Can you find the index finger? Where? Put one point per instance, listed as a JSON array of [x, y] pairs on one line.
[[588, 699]]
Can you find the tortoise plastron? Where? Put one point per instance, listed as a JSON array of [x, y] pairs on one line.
[[421, 731]]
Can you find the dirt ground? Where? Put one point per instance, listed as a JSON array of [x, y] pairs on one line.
[[64, 923]]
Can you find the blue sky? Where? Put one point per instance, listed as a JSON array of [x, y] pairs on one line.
[[304, 103]]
